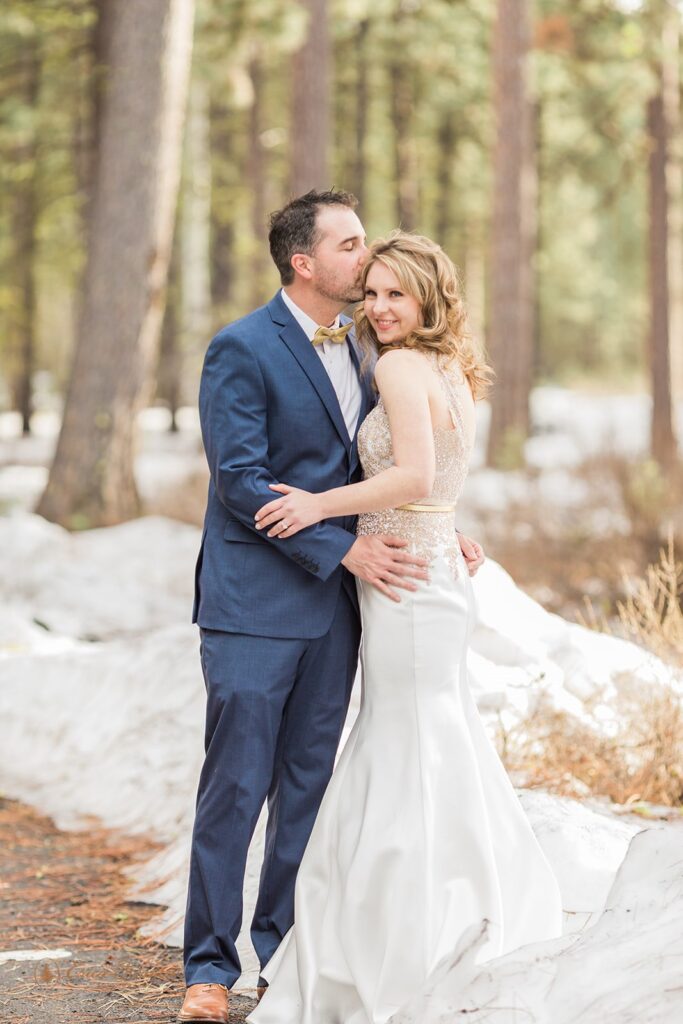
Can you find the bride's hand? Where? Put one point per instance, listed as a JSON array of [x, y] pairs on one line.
[[291, 513]]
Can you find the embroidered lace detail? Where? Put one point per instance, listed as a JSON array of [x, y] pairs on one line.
[[428, 533]]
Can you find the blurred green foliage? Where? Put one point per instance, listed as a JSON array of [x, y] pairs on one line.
[[591, 80]]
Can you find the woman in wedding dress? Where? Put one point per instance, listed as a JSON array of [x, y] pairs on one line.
[[420, 834]]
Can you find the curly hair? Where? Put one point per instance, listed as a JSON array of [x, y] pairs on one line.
[[424, 271]]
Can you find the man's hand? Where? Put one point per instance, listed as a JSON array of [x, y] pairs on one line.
[[473, 553], [381, 560]]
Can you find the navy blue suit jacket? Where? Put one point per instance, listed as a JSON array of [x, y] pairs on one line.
[[269, 414]]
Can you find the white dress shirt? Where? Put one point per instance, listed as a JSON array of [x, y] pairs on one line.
[[337, 361]]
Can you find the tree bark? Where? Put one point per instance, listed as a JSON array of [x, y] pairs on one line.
[[662, 435], [130, 228], [256, 173], [170, 368], [24, 217], [671, 88], [510, 321], [310, 134], [195, 226], [405, 156], [447, 142], [530, 220], [222, 212], [359, 165]]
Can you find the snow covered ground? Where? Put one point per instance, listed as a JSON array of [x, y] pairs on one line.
[[567, 428], [101, 713]]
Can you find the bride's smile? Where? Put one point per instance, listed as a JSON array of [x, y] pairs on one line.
[[393, 315]]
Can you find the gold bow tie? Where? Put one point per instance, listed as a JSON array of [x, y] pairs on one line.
[[335, 334]]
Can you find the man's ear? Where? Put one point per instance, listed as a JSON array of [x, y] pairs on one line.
[[301, 265]]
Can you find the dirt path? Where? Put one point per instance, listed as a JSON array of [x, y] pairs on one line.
[[67, 890]]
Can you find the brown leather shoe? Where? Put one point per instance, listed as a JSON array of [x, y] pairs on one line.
[[205, 1004], [260, 992]]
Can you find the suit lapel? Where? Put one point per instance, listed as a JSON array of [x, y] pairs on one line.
[[367, 395], [310, 362]]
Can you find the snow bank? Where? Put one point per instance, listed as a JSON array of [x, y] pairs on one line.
[[98, 584], [102, 701], [625, 967]]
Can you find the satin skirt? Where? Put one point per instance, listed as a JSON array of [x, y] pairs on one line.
[[420, 834]]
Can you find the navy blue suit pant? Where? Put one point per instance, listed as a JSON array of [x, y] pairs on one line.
[[275, 712]]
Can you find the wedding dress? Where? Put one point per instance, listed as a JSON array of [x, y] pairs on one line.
[[420, 834]]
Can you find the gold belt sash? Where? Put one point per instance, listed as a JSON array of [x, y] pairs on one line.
[[418, 507]]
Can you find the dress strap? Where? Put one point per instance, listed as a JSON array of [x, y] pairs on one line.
[[450, 391]]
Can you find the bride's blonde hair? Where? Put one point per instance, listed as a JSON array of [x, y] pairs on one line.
[[424, 271]]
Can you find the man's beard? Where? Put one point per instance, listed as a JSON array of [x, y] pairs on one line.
[[349, 295]]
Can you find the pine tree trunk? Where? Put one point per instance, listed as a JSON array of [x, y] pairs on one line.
[[194, 244], [25, 243], [129, 237], [222, 212], [359, 166], [527, 285], [446, 147], [256, 172], [170, 369], [662, 436], [405, 156], [24, 216], [510, 339], [671, 86], [311, 96]]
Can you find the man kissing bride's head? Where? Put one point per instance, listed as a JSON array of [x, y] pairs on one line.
[[412, 298]]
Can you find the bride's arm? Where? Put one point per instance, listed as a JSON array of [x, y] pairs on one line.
[[402, 381]]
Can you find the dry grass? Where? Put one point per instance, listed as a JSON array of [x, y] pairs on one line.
[[562, 553], [652, 613], [642, 759]]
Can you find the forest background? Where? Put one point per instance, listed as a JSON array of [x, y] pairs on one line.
[[143, 144]]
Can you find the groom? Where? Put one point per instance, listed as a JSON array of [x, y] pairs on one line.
[[281, 399]]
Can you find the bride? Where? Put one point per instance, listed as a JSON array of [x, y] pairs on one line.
[[420, 834]]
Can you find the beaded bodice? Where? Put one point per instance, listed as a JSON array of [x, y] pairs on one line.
[[428, 533]]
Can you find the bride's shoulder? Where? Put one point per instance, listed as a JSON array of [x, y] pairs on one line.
[[399, 362]]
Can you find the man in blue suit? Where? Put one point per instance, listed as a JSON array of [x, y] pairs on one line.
[[281, 399]]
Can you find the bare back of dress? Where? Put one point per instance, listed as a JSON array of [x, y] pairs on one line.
[[429, 533]]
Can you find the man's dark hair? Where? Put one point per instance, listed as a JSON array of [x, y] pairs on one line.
[[293, 228]]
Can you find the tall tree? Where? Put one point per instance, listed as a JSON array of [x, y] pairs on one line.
[[24, 230], [223, 262], [447, 140], [662, 436], [310, 109], [256, 172], [671, 96], [194, 243], [129, 236], [402, 95], [169, 375], [510, 336], [359, 165]]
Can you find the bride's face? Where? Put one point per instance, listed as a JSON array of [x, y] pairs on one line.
[[392, 313]]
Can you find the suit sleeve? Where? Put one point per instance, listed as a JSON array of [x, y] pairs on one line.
[[234, 422]]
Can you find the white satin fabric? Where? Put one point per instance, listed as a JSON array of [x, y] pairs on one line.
[[420, 834]]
